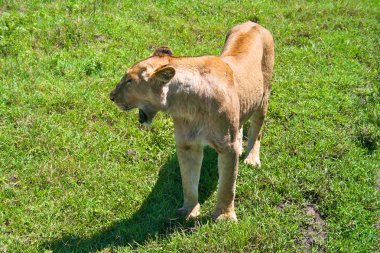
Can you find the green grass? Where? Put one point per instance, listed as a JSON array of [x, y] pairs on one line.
[[77, 174]]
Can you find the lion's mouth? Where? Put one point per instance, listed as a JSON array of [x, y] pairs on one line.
[[143, 118], [146, 114]]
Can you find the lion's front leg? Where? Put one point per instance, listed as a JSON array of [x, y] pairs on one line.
[[190, 157], [228, 169]]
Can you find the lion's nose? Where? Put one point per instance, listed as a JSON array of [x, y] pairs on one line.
[[112, 96]]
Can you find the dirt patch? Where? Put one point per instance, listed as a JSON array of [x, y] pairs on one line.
[[99, 37], [315, 235], [13, 181]]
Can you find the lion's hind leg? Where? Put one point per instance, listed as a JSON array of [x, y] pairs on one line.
[[240, 141], [254, 137]]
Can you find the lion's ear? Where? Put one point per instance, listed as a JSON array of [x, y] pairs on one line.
[[163, 74], [162, 50]]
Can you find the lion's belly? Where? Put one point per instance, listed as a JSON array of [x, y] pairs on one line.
[[250, 89]]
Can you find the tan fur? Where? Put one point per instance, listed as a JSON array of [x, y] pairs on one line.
[[209, 99]]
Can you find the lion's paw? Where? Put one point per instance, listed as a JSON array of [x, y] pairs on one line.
[[228, 215], [189, 213], [253, 162]]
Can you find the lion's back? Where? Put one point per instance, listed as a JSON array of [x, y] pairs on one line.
[[249, 50]]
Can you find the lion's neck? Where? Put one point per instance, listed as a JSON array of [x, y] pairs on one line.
[[183, 95]]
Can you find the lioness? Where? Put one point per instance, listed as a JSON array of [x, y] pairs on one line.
[[209, 99]]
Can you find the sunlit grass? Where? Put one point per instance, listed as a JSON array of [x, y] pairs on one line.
[[77, 174]]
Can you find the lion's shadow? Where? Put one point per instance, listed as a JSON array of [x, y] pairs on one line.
[[156, 216]]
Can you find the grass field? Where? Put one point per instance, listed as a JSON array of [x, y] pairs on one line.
[[78, 175]]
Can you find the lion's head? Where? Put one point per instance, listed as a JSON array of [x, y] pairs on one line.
[[143, 85]]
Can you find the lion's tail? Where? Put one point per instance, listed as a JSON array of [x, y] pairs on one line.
[[267, 61]]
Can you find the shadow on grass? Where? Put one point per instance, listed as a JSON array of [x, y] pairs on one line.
[[156, 216]]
